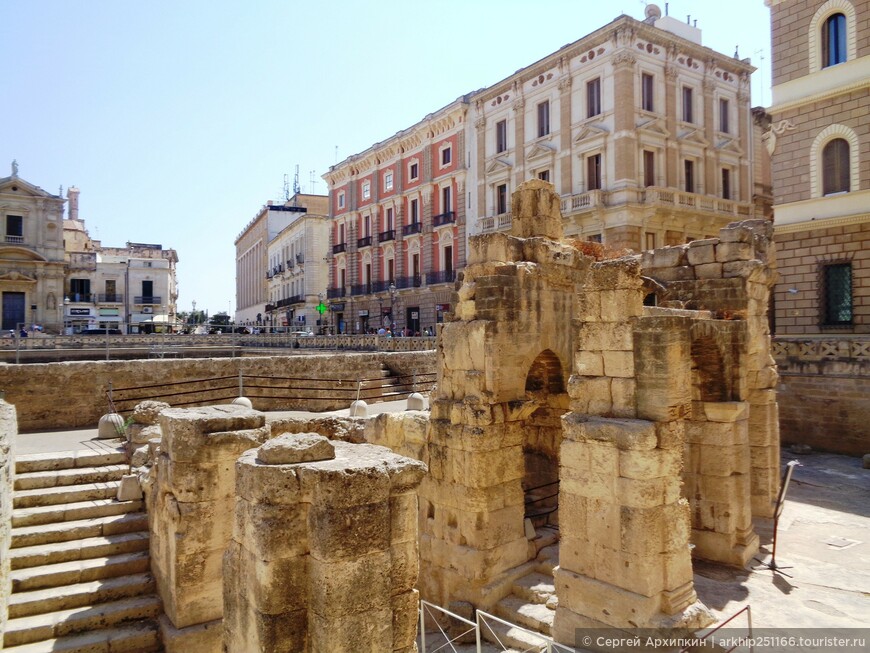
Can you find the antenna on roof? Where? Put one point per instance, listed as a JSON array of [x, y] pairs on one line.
[[313, 174], [296, 181], [286, 191]]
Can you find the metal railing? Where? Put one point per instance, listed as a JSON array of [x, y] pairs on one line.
[[339, 248], [444, 276], [436, 616], [413, 228], [449, 217], [485, 629], [365, 241], [384, 236], [146, 300]]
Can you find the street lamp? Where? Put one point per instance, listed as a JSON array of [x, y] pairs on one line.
[[392, 301]]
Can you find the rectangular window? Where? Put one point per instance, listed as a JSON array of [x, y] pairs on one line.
[[448, 258], [415, 264], [388, 181], [501, 136], [341, 233], [446, 204], [646, 92], [147, 289], [341, 200], [593, 97], [689, 176], [14, 228], [726, 184], [391, 270], [544, 175], [544, 118], [837, 291], [650, 240], [446, 156], [688, 97], [414, 171], [389, 225], [501, 199], [79, 289], [649, 168], [366, 190], [593, 172], [367, 226], [415, 211], [723, 116]]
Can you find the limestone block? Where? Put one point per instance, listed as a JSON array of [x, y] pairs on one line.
[[603, 522], [642, 493], [218, 432], [587, 484], [575, 455], [463, 345], [272, 586], [193, 482], [591, 393], [355, 585], [702, 251], [623, 433], [601, 336], [141, 456], [624, 395], [721, 434], [205, 637], [405, 608], [671, 435], [404, 566], [536, 210], [723, 460], [730, 411], [403, 517], [341, 532], [128, 489], [369, 632], [589, 363], [269, 484], [742, 269], [681, 273], [618, 363], [271, 531], [656, 463], [479, 469], [727, 252], [669, 257], [246, 630], [295, 448], [588, 305], [148, 412], [708, 271], [494, 247]]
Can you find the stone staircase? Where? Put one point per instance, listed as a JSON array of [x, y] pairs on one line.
[[80, 562], [532, 602]]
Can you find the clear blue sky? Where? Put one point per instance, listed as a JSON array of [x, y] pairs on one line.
[[178, 120]]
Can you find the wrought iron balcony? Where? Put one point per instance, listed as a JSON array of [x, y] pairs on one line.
[[444, 276], [338, 249], [365, 241], [332, 293], [386, 236], [110, 298], [147, 301], [80, 297], [413, 228], [443, 218], [409, 282], [381, 286], [362, 289]]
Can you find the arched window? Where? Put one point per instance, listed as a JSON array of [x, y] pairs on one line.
[[835, 167], [834, 40]]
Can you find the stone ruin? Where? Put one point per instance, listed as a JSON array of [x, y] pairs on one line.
[[642, 387]]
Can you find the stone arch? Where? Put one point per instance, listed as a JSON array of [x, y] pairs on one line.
[[545, 375], [815, 34], [824, 137]]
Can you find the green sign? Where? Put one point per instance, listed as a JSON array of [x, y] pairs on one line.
[[321, 308]]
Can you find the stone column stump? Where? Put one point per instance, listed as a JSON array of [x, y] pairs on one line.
[[324, 553]]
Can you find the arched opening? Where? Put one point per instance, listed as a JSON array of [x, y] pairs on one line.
[[545, 385]]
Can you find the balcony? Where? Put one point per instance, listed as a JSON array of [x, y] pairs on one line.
[[584, 201], [409, 282], [386, 236], [289, 301], [14, 240], [365, 241], [300, 259], [362, 289], [270, 307], [445, 276], [147, 301], [80, 261], [332, 293], [667, 197], [340, 248], [491, 223], [443, 218], [413, 228], [381, 286], [110, 298], [80, 297]]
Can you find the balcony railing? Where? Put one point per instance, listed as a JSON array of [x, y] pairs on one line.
[[381, 286], [332, 293], [583, 201], [80, 297], [289, 301], [338, 249], [362, 289], [413, 228], [443, 218], [708, 203], [444, 276], [147, 301], [388, 235], [409, 282], [495, 223], [365, 241], [14, 240], [110, 298]]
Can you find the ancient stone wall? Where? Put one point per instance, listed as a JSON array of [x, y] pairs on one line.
[[324, 553], [8, 431], [189, 507], [70, 395]]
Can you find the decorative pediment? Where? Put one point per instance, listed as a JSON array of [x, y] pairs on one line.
[[729, 145], [652, 125], [693, 136], [498, 165], [591, 130], [18, 186], [18, 277], [539, 151]]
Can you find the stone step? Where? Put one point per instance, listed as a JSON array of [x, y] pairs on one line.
[[79, 529], [510, 638], [535, 588], [41, 462], [63, 477], [52, 625], [534, 616], [548, 559], [141, 637], [76, 595], [79, 571], [92, 547], [35, 515], [64, 494]]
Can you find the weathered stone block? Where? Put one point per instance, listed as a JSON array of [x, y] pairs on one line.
[[727, 252], [702, 251], [618, 363]]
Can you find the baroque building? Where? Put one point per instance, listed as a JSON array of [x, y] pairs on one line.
[[31, 255], [129, 288], [818, 138], [280, 267], [646, 135]]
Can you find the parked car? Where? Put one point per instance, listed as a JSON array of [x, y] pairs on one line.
[[100, 332]]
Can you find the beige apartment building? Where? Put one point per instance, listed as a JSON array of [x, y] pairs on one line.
[[133, 288], [31, 255], [280, 257], [646, 135], [819, 139]]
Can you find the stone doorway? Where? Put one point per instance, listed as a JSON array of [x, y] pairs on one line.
[[542, 436]]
